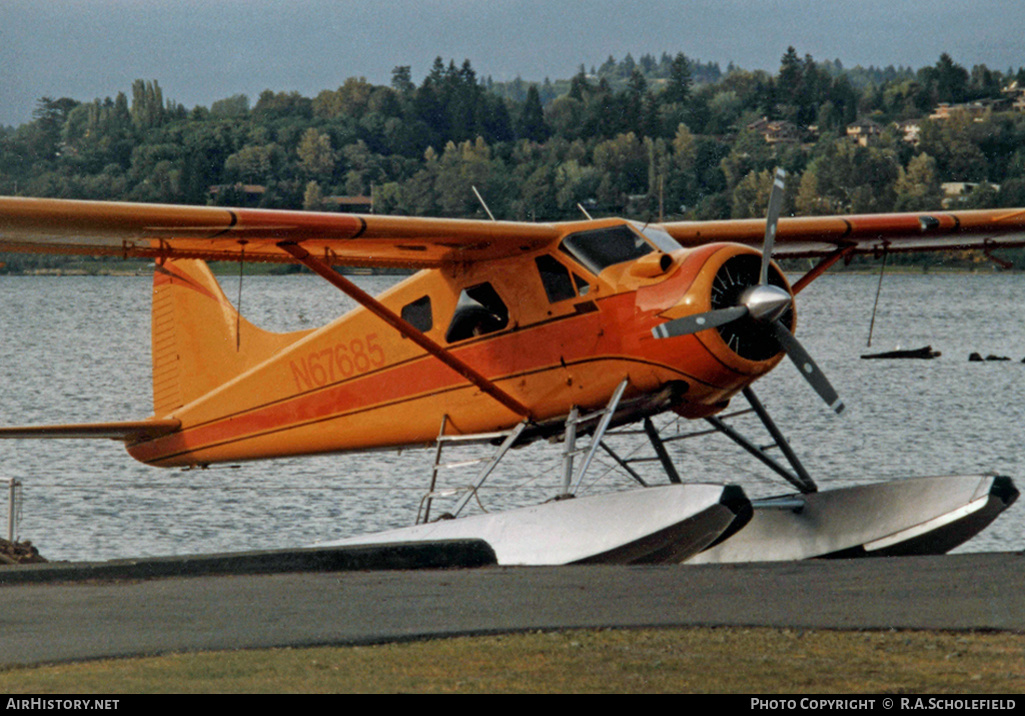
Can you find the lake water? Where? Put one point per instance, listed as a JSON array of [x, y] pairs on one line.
[[76, 349]]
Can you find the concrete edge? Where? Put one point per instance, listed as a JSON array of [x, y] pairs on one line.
[[442, 554]]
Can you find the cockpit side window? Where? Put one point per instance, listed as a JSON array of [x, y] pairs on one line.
[[560, 283], [582, 286], [555, 278], [479, 311], [598, 249]]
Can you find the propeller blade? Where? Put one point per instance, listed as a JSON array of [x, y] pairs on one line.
[[698, 322], [806, 366], [772, 218]]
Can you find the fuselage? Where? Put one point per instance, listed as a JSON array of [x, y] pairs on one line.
[[557, 328]]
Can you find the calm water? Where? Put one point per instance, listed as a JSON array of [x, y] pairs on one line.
[[77, 350]]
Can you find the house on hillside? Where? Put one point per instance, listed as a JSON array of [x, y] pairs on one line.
[[776, 131], [251, 193], [910, 131], [864, 131], [977, 111], [350, 204], [1015, 96]]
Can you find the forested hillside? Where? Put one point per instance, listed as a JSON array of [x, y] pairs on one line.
[[654, 138]]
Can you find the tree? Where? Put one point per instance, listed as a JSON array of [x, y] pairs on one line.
[[579, 87], [531, 124], [603, 113], [49, 118], [951, 80], [566, 117], [1012, 193], [282, 105], [751, 195], [539, 195], [316, 157], [253, 163], [147, 104], [678, 87], [349, 100], [982, 196], [958, 156], [623, 162], [462, 167], [402, 80], [233, 107], [313, 198], [634, 103], [748, 153], [849, 178], [788, 84], [918, 187]]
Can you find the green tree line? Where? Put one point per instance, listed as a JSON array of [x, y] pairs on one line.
[[667, 138]]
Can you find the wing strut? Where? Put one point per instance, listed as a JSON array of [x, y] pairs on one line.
[[394, 320], [844, 252]]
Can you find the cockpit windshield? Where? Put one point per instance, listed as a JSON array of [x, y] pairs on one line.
[[661, 239], [597, 249]]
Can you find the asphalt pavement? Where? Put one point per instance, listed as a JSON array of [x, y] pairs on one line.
[[245, 601]]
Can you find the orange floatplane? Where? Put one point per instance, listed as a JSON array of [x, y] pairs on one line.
[[510, 331]]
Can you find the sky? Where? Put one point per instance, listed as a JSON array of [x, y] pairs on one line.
[[204, 50]]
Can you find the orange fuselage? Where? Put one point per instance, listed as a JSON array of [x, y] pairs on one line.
[[358, 384]]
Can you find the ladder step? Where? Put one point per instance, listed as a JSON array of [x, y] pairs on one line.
[[587, 418], [474, 437], [461, 463], [448, 492]]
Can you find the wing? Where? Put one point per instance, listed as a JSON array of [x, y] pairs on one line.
[[215, 234], [866, 233]]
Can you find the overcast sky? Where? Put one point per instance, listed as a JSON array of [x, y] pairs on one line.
[[204, 50]]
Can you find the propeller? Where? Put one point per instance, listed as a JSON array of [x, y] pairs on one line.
[[762, 307]]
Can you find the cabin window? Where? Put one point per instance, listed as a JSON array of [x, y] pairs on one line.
[[479, 311], [559, 282], [598, 249], [555, 278], [418, 314]]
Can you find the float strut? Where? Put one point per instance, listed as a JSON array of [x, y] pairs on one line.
[[757, 452], [660, 450], [781, 442]]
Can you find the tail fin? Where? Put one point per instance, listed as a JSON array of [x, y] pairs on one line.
[[199, 340]]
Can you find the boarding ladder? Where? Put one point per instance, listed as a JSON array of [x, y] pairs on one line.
[[507, 437], [571, 477]]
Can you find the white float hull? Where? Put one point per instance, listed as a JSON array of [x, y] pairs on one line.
[[912, 516], [654, 525]]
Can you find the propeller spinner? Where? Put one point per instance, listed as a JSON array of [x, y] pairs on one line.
[[748, 312]]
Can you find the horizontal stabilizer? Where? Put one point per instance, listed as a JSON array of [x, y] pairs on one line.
[[129, 431]]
